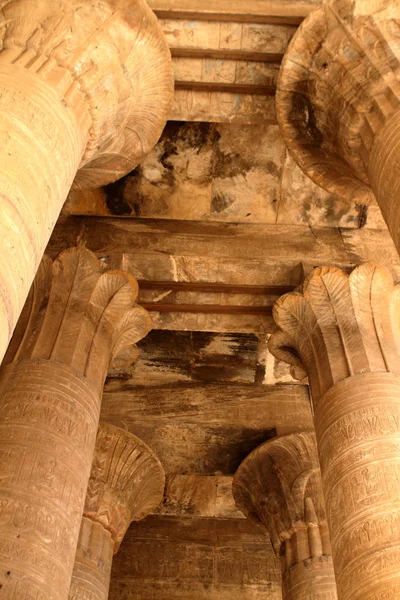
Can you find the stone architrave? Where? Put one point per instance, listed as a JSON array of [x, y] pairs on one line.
[[343, 332], [338, 101], [126, 484], [79, 319], [84, 87], [279, 485]]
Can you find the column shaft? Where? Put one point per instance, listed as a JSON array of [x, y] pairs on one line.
[[79, 318], [48, 423], [314, 579], [358, 431], [41, 146], [343, 331], [85, 91], [93, 562], [126, 484]]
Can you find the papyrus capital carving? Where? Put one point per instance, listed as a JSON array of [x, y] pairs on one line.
[[338, 101], [126, 483], [343, 331], [279, 485], [337, 86], [79, 318], [80, 314], [339, 325]]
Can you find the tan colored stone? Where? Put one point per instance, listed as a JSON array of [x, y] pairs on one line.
[[225, 172], [79, 318], [83, 88], [222, 35], [338, 102], [223, 107], [279, 485], [257, 10], [342, 331], [207, 428], [195, 558], [125, 485]]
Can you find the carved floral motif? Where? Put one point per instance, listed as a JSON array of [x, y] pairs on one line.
[[279, 485], [85, 91], [338, 101], [78, 319], [343, 332], [126, 484]]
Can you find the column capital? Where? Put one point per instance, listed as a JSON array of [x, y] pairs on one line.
[[338, 84], [126, 483], [338, 325], [279, 485], [110, 64], [82, 315]]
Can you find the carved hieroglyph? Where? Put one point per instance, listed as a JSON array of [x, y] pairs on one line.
[[338, 101], [279, 485], [126, 484], [343, 332], [78, 319], [83, 86]]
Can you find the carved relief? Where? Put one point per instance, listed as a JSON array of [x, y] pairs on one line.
[[126, 484], [279, 485], [85, 92], [338, 101], [79, 318], [74, 48], [342, 331], [80, 314], [339, 325]]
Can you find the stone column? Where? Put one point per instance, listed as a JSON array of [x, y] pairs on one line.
[[83, 87], [126, 484], [338, 101], [343, 332], [79, 319], [279, 485]]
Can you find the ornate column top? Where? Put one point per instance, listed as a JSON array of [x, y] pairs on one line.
[[339, 82], [279, 485], [338, 325], [80, 314], [112, 57], [126, 483]]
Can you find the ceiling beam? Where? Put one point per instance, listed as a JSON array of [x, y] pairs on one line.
[[209, 309], [215, 288], [234, 88], [221, 54], [281, 12]]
